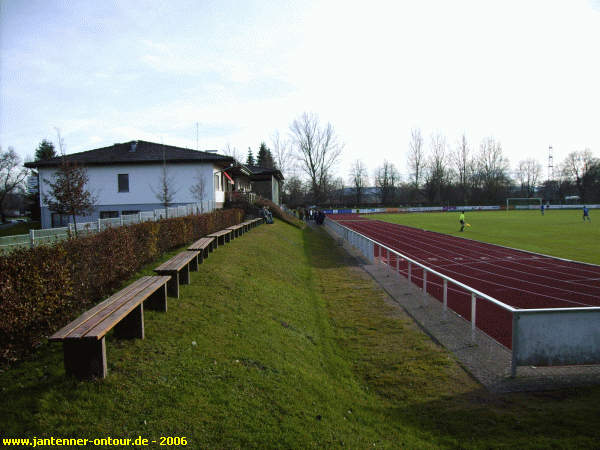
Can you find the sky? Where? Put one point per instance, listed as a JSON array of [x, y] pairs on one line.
[[216, 73]]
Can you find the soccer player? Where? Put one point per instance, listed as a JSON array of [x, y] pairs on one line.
[[542, 208], [461, 219], [586, 213]]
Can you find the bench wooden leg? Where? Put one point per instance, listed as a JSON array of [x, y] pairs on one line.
[[194, 264], [132, 326], [201, 256], [158, 300], [228, 237], [173, 285], [221, 240], [207, 251], [215, 243], [85, 358], [184, 275]]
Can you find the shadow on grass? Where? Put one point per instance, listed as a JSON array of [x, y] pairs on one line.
[[318, 242]]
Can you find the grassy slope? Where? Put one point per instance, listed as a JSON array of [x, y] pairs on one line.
[[279, 342], [557, 233]]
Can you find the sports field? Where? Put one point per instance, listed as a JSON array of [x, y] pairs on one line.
[[560, 233], [516, 278]]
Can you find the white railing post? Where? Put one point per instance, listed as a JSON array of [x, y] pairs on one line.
[[473, 314], [424, 285], [121, 217], [445, 296], [397, 264], [32, 238], [99, 226]]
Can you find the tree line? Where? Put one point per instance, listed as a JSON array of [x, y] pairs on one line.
[[439, 173]]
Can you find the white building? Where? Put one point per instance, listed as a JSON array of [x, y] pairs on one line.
[[126, 178]]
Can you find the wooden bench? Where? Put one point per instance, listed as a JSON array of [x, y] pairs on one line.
[[83, 339], [178, 267], [221, 237], [255, 222], [237, 230], [204, 246]]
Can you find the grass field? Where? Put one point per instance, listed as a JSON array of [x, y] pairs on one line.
[[280, 341], [557, 233], [20, 228]]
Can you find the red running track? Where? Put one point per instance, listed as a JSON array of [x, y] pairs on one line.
[[517, 278]]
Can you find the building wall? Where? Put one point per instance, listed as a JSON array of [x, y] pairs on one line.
[[144, 183], [268, 189]]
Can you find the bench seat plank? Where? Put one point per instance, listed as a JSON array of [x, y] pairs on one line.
[[179, 267], [114, 300], [221, 236], [102, 323], [177, 262], [204, 244]]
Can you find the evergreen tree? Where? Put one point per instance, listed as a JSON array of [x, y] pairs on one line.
[[265, 158], [250, 159], [45, 150]]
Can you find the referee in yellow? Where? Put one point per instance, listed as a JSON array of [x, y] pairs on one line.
[[461, 219]]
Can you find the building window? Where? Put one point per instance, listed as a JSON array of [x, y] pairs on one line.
[[130, 213], [59, 220], [217, 182], [123, 179], [109, 214]]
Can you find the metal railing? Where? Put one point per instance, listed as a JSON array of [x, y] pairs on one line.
[[572, 334], [51, 235]]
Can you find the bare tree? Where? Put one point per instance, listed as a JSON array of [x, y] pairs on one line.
[[165, 191], [437, 174], [416, 158], [283, 155], [12, 176], [67, 191], [464, 166], [386, 180], [492, 170], [318, 149], [528, 173], [198, 189], [229, 150], [580, 167], [294, 192], [359, 179]]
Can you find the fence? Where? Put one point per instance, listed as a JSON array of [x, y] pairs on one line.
[[542, 337], [51, 235]]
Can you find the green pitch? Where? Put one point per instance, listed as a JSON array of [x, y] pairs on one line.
[[558, 233]]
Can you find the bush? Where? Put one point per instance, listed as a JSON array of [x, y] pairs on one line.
[[44, 288]]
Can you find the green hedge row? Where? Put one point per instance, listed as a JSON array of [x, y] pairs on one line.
[[44, 288]]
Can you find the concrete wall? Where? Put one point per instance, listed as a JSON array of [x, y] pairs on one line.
[[556, 337]]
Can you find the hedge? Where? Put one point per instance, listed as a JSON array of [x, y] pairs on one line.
[[44, 288]]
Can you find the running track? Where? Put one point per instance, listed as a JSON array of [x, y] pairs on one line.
[[517, 278]]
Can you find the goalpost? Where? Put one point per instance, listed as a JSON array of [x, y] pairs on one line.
[[524, 203]]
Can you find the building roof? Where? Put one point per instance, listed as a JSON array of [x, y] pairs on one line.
[[257, 171], [135, 152]]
